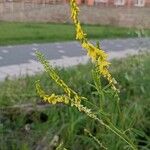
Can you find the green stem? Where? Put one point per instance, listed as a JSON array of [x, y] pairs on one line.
[[108, 125], [115, 130]]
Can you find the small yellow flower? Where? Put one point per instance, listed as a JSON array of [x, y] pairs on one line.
[[80, 35], [52, 99]]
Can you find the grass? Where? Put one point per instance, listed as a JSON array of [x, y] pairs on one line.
[[23, 33], [68, 124]]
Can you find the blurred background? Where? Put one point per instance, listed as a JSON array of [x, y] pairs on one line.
[[126, 13]]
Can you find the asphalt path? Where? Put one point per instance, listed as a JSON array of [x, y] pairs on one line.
[[20, 59]]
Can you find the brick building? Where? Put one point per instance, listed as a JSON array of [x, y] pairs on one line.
[[109, 3], [117, 3]]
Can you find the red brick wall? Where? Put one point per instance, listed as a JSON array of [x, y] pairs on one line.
[[128, 3], [111, 3], [147, 3]]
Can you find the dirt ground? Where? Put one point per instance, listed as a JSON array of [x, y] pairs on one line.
[[60, 13]]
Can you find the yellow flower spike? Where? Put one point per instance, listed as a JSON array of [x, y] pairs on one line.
[[69, 92], [52, 99], [97, 55]]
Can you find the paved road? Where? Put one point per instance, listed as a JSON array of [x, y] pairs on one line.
[[20, 60]]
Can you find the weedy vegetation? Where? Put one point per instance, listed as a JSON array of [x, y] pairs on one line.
[[85, 113], [32, 124]]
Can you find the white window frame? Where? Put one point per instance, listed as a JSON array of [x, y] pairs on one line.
[[101, 1], [138, 3], [120, 2]]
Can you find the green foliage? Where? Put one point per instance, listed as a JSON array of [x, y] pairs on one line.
[[68, 123], [21, 33]]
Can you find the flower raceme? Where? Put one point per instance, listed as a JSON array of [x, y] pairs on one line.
[[52, 99], [71, 97], [69, 93], [97, 55]]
